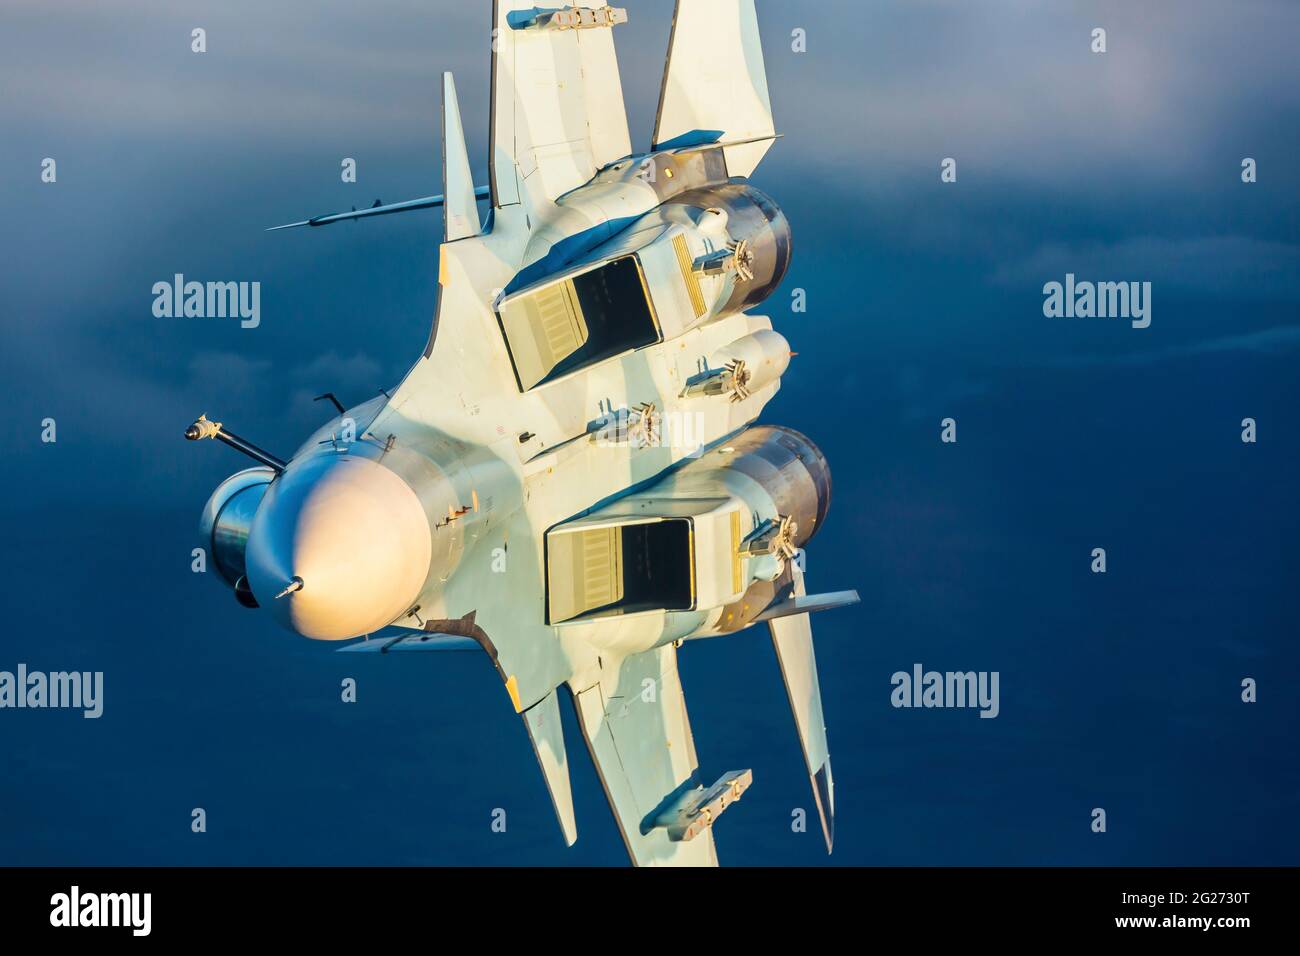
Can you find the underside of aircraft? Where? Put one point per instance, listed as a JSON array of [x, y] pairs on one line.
[[572, 478]]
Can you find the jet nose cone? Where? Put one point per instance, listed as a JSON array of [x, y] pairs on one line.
[[340, 547]]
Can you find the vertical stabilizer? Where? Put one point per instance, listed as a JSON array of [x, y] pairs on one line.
[[557, 100], [792, 638], [460, 214], [715, 83]]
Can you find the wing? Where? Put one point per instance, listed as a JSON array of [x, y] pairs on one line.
[[634, 720], [401, 640], [792, 638], [715, 83], [557, 100]]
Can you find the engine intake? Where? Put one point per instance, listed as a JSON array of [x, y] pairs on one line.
[[227, 518]]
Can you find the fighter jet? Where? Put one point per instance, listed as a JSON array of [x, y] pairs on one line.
[[571, 479]]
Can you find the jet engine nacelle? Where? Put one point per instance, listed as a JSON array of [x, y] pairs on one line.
[[707, 252], [740, 213], [709, 535], [783, 484], [226, 520], [776, 471]]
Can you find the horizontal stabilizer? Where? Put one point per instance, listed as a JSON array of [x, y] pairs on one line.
[[413, 641], [707, 143], [696, 810], [808, 603], [634, 721], [428, 202]]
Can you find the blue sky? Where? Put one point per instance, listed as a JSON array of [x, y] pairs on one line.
[[924, 301]]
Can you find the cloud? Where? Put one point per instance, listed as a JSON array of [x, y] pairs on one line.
[[1237, 267], [128, 66], [925, 393], [352, 379], [1011, 89], [228, 372], [173, 157], [269, 399], [1273, 341]]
